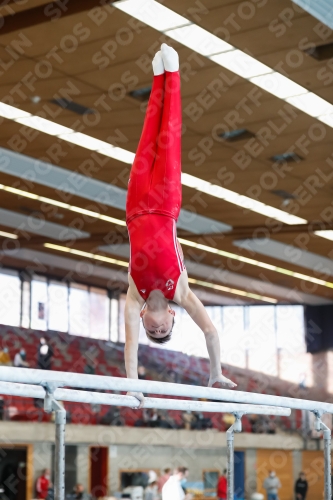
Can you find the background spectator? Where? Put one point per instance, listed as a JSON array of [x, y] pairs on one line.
[[5, 359], [188, 419], [142, 374], [112, 417], [144, 420], [90, 368], [262, 424], [163, 479], [153, 418], [43, 484], [173, 377], [183, 482], [172, 490], [222, 486], [271, 427], [151, 492], [301, 487], [44, 356], [165, 420], [272, 484], [228, 419], [201, 423], [80, 494], [20, 359]]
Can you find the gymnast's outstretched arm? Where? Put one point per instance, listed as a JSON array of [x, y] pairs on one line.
[[194, 307], [133, 307]]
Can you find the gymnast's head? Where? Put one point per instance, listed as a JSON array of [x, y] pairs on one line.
[[158, 324]]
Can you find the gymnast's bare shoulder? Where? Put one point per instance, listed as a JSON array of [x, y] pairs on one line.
[[133, 293], [182, 290]]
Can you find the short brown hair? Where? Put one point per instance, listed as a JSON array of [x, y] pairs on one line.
[[162, 340], [181, 470]]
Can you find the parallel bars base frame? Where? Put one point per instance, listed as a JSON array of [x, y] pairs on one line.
[[48, 386]]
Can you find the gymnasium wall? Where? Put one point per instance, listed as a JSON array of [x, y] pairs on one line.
[[133, 448], [258, 462], [281, 461], [287, 465]]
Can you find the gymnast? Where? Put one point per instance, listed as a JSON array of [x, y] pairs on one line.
[[157, 272]]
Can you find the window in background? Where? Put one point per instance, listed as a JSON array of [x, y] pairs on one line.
[[290, 329], [216, 315], [233, 337], [99, 313], [58, 306], [295, 364], [79, 317], [25, 315], [10, 297], [187, 336], [39, 301], [262, 339], [114, 306]]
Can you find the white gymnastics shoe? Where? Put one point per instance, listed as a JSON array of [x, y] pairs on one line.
[[158, 65], [170, 58]]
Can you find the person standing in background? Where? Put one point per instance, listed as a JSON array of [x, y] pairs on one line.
[[151, 492], [43, 484], [163, 479], [44, 355], [222, 486], [172, 490], [301, 487], [272, 484], [183, 483], [79, 493]]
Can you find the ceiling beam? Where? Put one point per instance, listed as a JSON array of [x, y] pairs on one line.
[[49, 12], [247, 231], [7, 2]]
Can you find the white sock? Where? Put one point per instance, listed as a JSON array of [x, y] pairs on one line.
[[170, 58], [158, 66]]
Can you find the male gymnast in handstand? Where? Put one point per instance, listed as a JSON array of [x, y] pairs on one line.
[[157, 272]]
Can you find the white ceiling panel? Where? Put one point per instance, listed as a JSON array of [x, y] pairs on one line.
[[288, 253], [320, 9], [59, 178], [39, 226]]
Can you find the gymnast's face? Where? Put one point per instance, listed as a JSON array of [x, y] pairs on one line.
[[158, 324]]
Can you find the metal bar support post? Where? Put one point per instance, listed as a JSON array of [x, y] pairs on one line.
[[320, 426], [236, 427], [50, 404]]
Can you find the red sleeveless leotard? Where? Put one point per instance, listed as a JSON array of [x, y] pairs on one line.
[[154, 192], [156, 262]]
